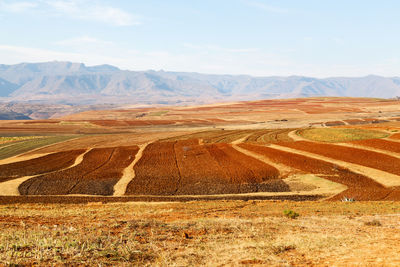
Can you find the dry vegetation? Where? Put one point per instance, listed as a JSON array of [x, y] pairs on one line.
[[339, 134], [201, 233], [23, 146]]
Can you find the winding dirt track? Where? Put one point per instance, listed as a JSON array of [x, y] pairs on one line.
[[128, 173]]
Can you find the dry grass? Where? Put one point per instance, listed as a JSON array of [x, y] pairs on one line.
[[31, 144], [9, 139], [201, 233], [340, 134]]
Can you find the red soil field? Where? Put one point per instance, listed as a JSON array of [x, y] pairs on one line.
[[314, 166], [395, 136], [199, 172], [185, 167], [156, 173], [354, 155], [380, 144], [247, 172], [270, 136], [102, 180], [48, 163], [100, 169], [359, 187]]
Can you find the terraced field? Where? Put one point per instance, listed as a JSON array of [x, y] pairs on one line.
[[187, 168], [229, 136], [223, 150], [48, 163], [205, 163], [358, 156], [360, 187], [99, 171]]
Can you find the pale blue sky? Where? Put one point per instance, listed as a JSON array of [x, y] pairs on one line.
[[317, 38]]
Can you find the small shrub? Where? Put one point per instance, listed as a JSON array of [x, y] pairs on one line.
[[282, 248], [291, 214], [374, 222]]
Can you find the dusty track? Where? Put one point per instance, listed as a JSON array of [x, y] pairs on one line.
[[129, 173]]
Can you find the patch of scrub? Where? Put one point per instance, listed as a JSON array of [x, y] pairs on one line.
[[334, 135]]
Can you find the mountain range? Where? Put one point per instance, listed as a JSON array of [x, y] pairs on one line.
[[76, 83]]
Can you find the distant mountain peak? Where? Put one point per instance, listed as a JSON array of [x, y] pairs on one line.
[[60, 81]]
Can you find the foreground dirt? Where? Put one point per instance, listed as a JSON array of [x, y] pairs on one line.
[[212, 233]]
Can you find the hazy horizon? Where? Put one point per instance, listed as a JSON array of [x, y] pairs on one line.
[[227, 74]]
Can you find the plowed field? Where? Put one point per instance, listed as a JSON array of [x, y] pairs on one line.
[[354, 155], [157, 172], [48, 163], [314, 166], [380, 144], [228, 136], [185, 167], [360, 187], [270, 136], [100, 169]]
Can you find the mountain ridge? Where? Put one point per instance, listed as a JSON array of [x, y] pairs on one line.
[[60, 82]]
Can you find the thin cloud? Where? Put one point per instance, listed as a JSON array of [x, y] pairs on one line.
[[266, 7], [92, 11], [17, 7], [75, 9]]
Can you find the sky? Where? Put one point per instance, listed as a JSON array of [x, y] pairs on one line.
[[318, 38]]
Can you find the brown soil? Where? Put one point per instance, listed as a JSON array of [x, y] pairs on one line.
[[185, 167], [353, 155], [99, 171], [360, 187], [48, 163]]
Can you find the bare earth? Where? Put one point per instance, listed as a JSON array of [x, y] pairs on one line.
[[210, 143]]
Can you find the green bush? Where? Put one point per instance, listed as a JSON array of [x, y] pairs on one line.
[[291, 214]]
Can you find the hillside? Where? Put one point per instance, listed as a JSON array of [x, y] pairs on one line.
[[76, 83]]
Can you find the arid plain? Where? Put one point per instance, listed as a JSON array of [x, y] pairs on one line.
[[202, 181]]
